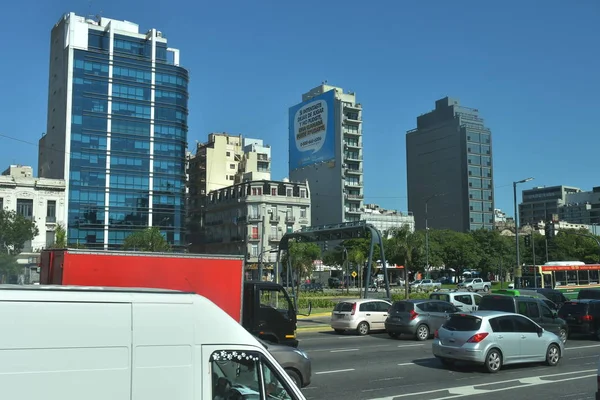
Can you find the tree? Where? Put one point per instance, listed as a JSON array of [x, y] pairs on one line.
[[460, 251], [302, 256], [403, 248], [15, 230], [149, 239], [9, 268], [492, 248]]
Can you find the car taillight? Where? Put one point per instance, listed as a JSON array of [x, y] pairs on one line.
[[353, 309], [413, 314], [435, 334], [478, 337], [587, 318]]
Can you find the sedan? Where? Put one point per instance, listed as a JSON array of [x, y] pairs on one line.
[[494, 339]]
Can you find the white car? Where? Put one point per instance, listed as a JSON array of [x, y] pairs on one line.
[[362, 316], [465, 301]]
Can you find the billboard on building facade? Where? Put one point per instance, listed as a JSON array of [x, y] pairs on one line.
[[312, 131]]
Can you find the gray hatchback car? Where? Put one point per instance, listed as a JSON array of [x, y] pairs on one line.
[[419, 318], [294, 361], [494, 339]]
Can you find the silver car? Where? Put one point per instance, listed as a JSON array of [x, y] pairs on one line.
[[494, 339], [294, 361], [362, 316], [418, 318]]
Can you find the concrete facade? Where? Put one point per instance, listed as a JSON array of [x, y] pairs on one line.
[[251, 217], [337, 185], [39, 199], [386, 220], [449, 169]]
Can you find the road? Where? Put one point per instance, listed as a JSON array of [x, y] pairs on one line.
[[372, 367]]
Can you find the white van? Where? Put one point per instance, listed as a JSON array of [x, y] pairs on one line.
[[73, 343]]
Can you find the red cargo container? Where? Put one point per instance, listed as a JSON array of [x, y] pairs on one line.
[[218, 278]]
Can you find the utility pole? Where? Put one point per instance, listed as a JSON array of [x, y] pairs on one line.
[[518, 270], [533, 256]]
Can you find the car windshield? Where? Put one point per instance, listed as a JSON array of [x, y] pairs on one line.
[[463, 323], [497, 303]]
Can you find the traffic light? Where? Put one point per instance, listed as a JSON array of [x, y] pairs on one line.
[[550, 230], [527, 240]]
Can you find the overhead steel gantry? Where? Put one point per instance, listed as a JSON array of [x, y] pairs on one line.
[[349, 230]]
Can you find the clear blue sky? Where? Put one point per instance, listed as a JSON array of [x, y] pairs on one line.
[[530, 67]]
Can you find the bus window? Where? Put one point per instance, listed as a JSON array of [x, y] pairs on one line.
[[584, 277], [594, 276], [560, 276]]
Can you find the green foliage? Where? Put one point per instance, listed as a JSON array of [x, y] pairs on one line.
[[15, 230], [406, 248], [9, 268], [149, 239], [60, 237]]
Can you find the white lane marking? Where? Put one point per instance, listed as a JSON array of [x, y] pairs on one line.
[[463, 391], [335, 371], [387, 379], [352, 337], [342, 350], [309, 388], [582, 347], [410, 345], [581, 358]]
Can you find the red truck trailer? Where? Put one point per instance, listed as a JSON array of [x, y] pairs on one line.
[[263, 308]]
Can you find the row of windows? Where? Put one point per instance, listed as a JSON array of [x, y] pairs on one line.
[[473, 159], [478, 148], [476, 137], [169, 132], [132, 74], [82, 85], [480, 171], [131, 110], [480, 218], [170, 114], [478, 194], [81, 141], [475, 227], [170, 80], [87, 178], [131, 162], [478, 183], [77, 194], [124, 144], [129, 182], [97, 68], [131, 92], [131, 127], [82, 159], [485, 206]]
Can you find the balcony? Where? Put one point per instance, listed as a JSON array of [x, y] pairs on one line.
[[349, 132], [354, 119], [351, 144], [355, 196], [352, 184], [253, 238], [290, 219], [274, 238], [352, 157], [254, 218], [353, 210], [353, 107], [274, 218], [355, 171]]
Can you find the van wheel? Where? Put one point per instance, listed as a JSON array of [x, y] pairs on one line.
[[493, 361], [422, 332], [295, 377], [363, 328], [553, 355]]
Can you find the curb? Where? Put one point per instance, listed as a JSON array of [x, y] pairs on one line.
[[323, 314], [321, 328]]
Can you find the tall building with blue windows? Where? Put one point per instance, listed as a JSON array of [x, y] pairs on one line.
[[116, 130]]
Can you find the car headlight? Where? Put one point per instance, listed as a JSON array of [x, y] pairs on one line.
[[303, 354]]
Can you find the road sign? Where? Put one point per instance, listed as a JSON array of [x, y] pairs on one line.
[[354, 274]]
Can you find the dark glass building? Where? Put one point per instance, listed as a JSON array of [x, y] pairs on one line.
[[117, 130]]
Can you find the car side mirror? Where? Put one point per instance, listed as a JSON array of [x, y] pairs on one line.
[[554, 314], [540, 330]]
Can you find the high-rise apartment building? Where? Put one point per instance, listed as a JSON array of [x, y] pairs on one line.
[[117, 130], [222, 161], [449, 169], [325, 149]]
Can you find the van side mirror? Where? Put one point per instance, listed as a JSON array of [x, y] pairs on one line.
[[554, 314]]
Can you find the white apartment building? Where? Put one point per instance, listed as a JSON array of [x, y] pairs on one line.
[[333, 165], [386, 220], [39, 199], [250, 218]]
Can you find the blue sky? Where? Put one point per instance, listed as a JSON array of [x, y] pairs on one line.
[[530, 67]]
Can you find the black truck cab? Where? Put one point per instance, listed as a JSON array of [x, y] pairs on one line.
[[268, 312]]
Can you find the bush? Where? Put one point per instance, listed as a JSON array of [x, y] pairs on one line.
[[413, 296]]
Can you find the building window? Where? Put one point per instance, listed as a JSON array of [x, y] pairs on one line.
[[50, 238], [256, 191], [231, 166], [228, 154], [303, 213], [51, 211], [255, 232], [25, 208], [273, 191], [288, 192], [303, 193], [1, 203], [290, 229], [254, 250]]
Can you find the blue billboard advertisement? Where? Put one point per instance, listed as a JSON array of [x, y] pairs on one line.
[[312, 131]]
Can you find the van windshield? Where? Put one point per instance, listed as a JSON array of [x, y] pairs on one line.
[[589, 294], [497, 303], [440, 296]]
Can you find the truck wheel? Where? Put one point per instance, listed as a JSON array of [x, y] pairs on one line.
[[486, 289]]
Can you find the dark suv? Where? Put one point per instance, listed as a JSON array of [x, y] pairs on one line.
[[591, 294], [530, 307], [583, 316]]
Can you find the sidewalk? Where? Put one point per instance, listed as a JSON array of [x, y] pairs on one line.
[[314, 323]]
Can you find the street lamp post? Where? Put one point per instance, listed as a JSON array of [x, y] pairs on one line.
[[427, 231], [518, 271]]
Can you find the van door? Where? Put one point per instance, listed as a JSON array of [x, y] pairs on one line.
[[237, 371], [464, 302]]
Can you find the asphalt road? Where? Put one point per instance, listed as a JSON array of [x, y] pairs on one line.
[[372, 367]]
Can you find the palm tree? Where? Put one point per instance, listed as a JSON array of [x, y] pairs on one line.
[[404, 247]]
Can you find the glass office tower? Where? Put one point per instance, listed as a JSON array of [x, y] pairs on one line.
[[117, 130]]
